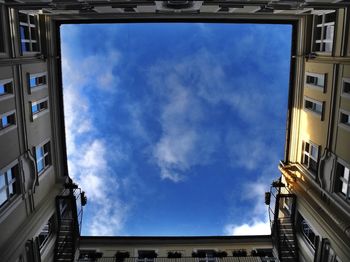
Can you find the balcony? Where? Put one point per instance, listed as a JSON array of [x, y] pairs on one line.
[[184, 259]]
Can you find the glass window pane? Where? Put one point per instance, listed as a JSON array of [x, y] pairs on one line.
[[3, 197], [35, 108], [318, 108], [344, 188], [2, 89], [39, 152], [40, 165], [346, 174], [4, 121], [314, 152], [32, 82], [2, 181], [346, 87]]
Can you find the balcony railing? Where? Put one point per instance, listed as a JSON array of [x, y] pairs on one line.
[[184, 259]]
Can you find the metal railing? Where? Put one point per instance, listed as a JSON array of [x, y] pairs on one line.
[[185, 259]]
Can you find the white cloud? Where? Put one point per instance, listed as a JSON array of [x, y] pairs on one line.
[[255, 228], [182, 144], [86, 149]]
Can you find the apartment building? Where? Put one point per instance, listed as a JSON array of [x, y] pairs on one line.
[[37, 198], [40, 206], [314, 200], [166, 249]]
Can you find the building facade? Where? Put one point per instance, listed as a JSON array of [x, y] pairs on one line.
[[40, 205], [315, 170]]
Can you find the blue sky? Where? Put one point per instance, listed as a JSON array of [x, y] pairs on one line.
[[175, 129]]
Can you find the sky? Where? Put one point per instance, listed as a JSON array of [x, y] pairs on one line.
[[175, 128]]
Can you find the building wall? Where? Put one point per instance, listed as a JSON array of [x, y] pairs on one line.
[[109, 246], [320, 203], [26, 212]]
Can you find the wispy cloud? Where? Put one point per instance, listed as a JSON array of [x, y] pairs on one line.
[[255, 228], [88, 161]]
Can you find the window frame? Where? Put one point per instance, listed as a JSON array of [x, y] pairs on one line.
[[343, 93], [35, 115], [323, 27], [11, 126], [30, 40], [345, 126], [7, 94], [309, 155], [317, 76], [301, 222], [316, 113], [340, 182], [14, 182], [42, 158], [37, 87]]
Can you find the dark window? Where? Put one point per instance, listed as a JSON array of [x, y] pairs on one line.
[[316, 107], [45, 233], [8, 184], [37, 107], [7, 120], [324, 32], [89, 255], [346, 87], [6, 87], [43, 157], [35, 81], [28, 33], [310, 156], [345, 118], [307, 231], [342, 185], [146, 255]]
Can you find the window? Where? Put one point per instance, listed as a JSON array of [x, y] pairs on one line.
[[8, 183], [42, 156], [313, 106], [324, 32], [343, 182], [328, 254], [6, 87], [310, 156], [146, 255], [36, 80], [315, 80], [307, 231], [45, 233], [28, 33], [206, 255], [344, 119], [38, 107], [7, 120], [89, 255], [346, 87]]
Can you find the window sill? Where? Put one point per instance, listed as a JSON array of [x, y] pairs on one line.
[[318, 115], [315, 87], [43, 172], [39, 114], [9, 206], [37, 88], [7, 129], [310, 174], [344, 126], [345, 95], [26, 54], [6, 96], [344, 204]]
